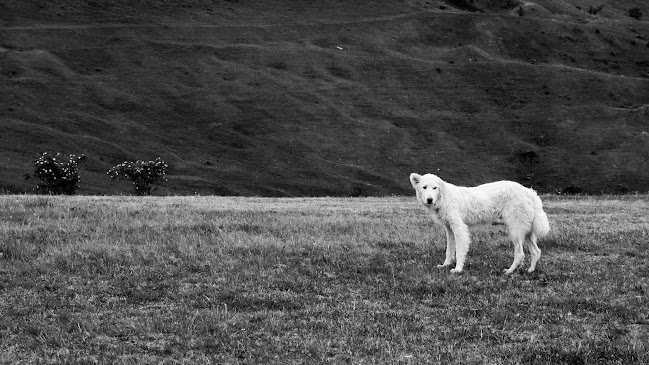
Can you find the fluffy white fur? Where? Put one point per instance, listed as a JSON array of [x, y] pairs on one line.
[[456, 207]]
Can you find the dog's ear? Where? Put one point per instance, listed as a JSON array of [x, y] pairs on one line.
[[414, 179], [442, 189]]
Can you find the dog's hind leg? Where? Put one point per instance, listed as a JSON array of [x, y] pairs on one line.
[[518, 239], [450, 247], [535, 251], [462, 242]]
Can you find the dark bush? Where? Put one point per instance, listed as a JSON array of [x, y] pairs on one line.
[[358, 191], [635, 13], [520, 11], [59, 174], [141, 173], [528, 157], [572, 189], [485, 5], [595, 9]]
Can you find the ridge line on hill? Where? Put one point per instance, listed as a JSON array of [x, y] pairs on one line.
[[352, 21]]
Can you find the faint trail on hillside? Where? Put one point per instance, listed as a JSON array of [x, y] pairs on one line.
[[319, 23], [490, 58], [390, 52], [196, 25]]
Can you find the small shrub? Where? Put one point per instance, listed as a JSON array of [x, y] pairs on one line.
[[141, 173], [520, 11], [358, 190], [465, 4], [59, 174], [527, 157], [571, 189], [635, 13], [485, 5], [595, 9]]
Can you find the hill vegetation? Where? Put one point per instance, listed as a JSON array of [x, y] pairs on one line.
[[282, 98]]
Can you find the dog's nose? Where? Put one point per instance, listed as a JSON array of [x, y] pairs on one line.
[[429, 200]]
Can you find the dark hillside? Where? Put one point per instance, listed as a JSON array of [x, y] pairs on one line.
[[328, 97]]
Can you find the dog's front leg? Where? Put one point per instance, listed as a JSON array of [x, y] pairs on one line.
[[462, 241], [450, 247]]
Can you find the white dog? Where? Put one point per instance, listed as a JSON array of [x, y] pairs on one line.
[[455, 207]]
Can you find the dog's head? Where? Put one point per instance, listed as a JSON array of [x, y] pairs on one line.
[[428, 187]]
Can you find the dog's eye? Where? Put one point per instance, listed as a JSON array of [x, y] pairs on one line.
[[425, 187], [434, 187]]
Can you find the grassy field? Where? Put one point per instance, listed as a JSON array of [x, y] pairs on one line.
[[172, 280]]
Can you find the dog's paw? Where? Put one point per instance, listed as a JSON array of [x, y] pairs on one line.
[[456, 271], [443, 265], [508, 271]]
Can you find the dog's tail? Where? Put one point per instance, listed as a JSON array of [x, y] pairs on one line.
[[540, 225]]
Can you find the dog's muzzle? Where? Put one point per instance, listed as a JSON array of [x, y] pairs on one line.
[[429, 201]]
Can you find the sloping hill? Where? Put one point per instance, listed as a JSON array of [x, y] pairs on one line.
[[327, 97]]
